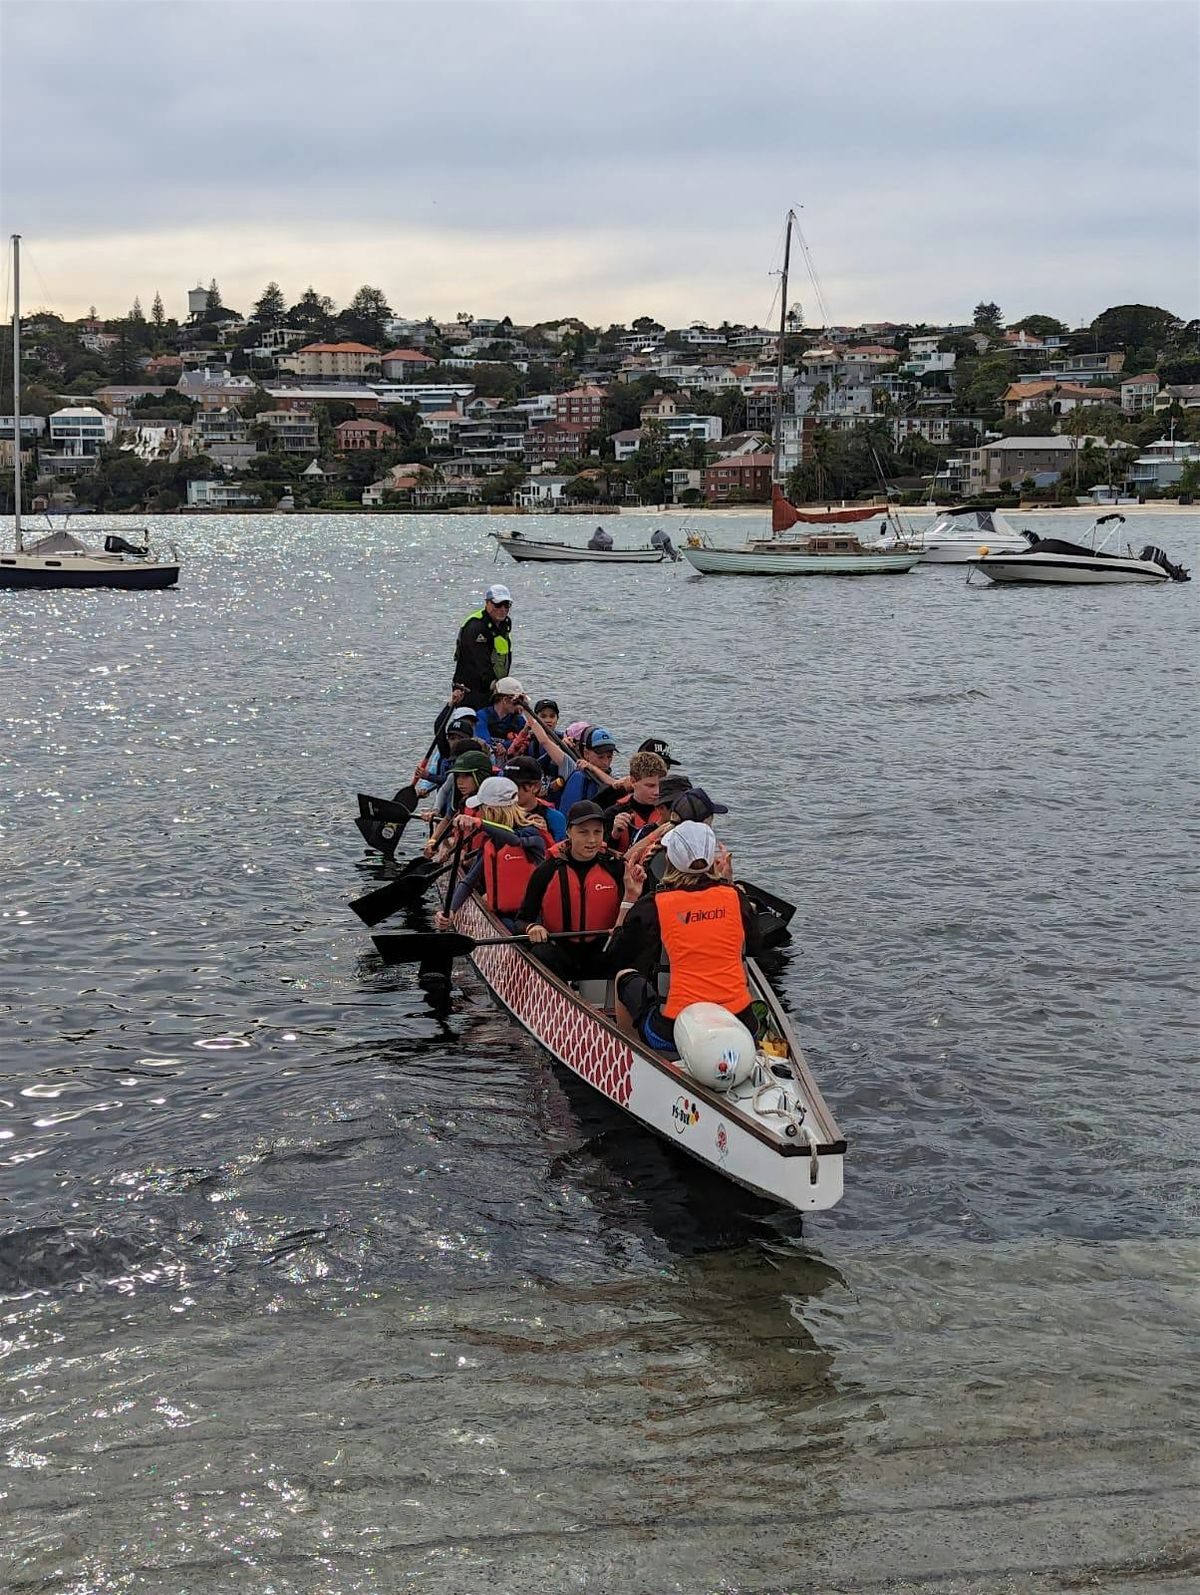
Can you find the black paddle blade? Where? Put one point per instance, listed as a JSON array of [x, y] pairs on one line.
[[381, 822], [767, 902], [413, 883], [434, 947], [406, 798]]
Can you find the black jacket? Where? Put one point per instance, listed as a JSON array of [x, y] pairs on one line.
[[482, 655]]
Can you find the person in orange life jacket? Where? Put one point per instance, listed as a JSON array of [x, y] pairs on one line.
[[592, 776], [526, 775], [503, 720], [483, 652], [639, 806], [467, 775], [690, 803], [579, 887], [511, 848], [704, 926]]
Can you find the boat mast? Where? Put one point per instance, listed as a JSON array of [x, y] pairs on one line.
[[783, 310], [16, 329]]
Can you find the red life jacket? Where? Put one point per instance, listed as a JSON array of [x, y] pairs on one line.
[[702, 935], [642, 817], [506, 871], [590, 901]]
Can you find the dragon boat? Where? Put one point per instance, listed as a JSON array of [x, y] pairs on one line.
[[773, 1134]]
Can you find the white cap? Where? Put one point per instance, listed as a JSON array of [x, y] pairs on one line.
[[690, 845], [498, 789], [457, 716], [497, 593], [510, 687]]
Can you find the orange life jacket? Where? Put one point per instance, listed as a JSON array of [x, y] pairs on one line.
[[572, 901], [703, 938], [506, 871]]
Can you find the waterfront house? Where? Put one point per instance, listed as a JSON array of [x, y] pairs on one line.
[[77, 434], [1160, 465], [741, 475], [219, 426], [398, 365], [540, 492], [441, 425], [348, 361], [581, 407], [206, 494], [362, 433], [1139, 393], [658, 407], [290, 431], [1044, 459], [1185, 394]]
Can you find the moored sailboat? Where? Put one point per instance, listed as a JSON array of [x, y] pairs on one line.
[[792, 549], [59, 559]]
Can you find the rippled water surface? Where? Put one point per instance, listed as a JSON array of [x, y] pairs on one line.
[[309, 1285]]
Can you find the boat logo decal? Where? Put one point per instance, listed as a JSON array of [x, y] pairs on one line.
[[684, 1114], [722, 1142]]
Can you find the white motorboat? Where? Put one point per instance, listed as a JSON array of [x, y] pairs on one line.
[[522, 548], [1055, 561], [60, 559], [960, 535]]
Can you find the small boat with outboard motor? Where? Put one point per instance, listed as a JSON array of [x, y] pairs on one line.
[[960, 535], [1055, 561], [521, 548], [753, 1114]]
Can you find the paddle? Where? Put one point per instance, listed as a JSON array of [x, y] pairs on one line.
[[407, 795], [381, 822], [413, 881], [440, 946]]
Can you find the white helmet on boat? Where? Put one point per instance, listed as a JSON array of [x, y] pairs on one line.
[[716, 1048]]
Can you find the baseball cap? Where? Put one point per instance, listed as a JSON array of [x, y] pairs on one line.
[[673, 786], [576, 729], [509, 687], [689, 846], [695, 804], [498, 593], [496, 789], [523, 768], [545, 703], [659, 746], [460, 716], [583, 810], [598, 737], [473, 762]]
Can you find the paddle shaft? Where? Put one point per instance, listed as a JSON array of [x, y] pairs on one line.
[[440, 946]]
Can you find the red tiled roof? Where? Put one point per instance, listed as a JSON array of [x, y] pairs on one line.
[[358, 423], [337, 348], [1149, 376], [758, 461], [408, 354]]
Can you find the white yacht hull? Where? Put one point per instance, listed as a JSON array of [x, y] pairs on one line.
[[963, 551], [782, 560], [1065, 570]]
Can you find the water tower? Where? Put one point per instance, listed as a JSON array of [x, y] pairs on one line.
[[197, 299]]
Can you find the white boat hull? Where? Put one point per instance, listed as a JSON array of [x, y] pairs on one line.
[[1064, 571], [785, 561], [963, 552], [522, 549], [803, 1171]]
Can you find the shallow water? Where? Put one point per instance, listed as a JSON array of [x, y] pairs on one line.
[[306, 1285]]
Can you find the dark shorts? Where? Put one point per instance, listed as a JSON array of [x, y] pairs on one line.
[[644, 1003]]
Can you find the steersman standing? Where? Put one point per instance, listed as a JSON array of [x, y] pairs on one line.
[[483, 653]]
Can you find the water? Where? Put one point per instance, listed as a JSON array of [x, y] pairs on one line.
[[309, 1286]]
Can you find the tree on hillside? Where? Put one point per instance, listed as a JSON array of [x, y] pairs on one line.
[[271, 308], [1128, 327], [366, 313], [212, 299], [157, 314], [312, 311], [987, 317], [1039, 326]]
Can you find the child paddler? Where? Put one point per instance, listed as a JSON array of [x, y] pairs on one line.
[[510, 847], [467, 774], [581, 886]]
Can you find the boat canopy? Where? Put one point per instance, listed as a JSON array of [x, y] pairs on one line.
[[57, 542]]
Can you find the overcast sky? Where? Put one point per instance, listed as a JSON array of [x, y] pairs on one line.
[[605, 159]]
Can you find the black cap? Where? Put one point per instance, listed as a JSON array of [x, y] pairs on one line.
[[523, 768], [659, 746], [696, 805], [579, 812], [673, 786], [545, 703]]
